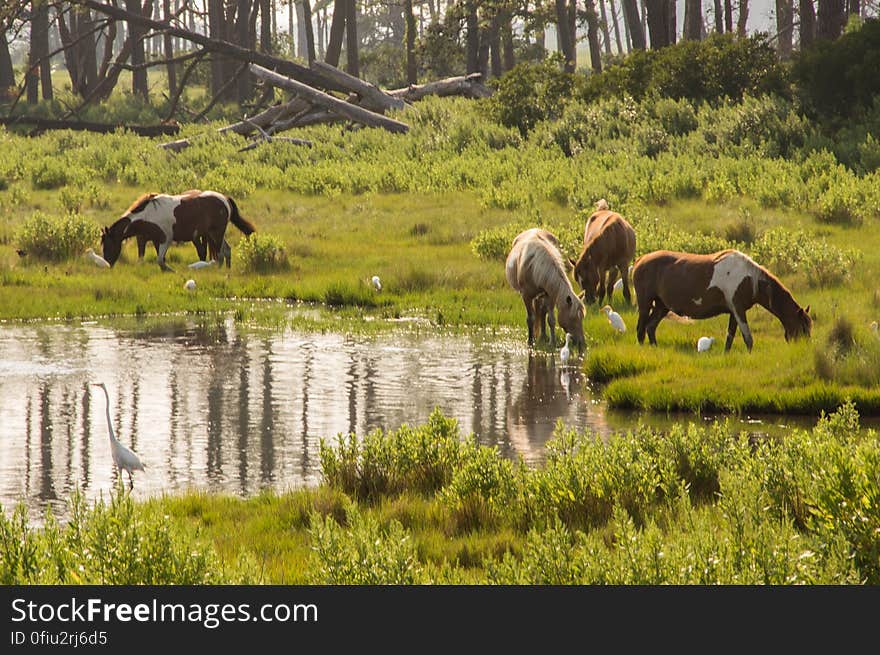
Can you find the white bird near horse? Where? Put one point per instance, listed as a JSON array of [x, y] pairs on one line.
[[614, 318], [97, 259], [201, 264], [377, 284], [124, 458], [565, 352], [704, 344], [190, 285]]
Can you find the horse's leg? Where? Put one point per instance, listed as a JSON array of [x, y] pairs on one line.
[[551, 321], [201, 247], [530, 319], [744, 328], [644, 313], [731, 332], [142, 246], [612, 278], [624, 275], [657, 314], [226, 253], [163, 248]]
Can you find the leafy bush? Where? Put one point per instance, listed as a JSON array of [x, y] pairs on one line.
[[57, 238], [529, 93], [263, 253], [787, 251]]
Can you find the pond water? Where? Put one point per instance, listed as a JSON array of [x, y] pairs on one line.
[[215, 406]]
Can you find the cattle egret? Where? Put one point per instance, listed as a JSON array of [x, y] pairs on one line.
[[565, 353], [614, 318], [875, 328], [197, 265], [565, 381], [377, 283], [123, 458], [190, 285], [97, 259], [704, 343]]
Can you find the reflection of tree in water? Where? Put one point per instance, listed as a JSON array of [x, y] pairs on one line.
[[244, 427], [85, 460], [47, 484], [305, 461], [267, 421]]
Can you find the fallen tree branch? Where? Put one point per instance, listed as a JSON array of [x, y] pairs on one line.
[[374, 98], [469, 86], [335, 105], [102, 128]]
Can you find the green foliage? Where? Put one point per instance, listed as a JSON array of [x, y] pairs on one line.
[[838, 79], [57, 238], [263, 253], [529, 93], [115, 543], [789, 251]]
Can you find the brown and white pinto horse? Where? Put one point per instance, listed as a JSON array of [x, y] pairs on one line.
[[609, 247], [163, 219], [535, 269], [702, 286]]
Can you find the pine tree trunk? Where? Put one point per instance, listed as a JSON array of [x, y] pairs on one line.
[[508, 58], [593, 37], [308, 30], [266, 31], [563, 36], [7, 73], [808, 24], [658, 23], [616, 25], [742, 18], [784, 28], [606, 33], [243, 38], [719, 17], [831, 18], [39, 68], [216, 30], [352, 45], [412, 71], [728, 16], [473, 37], [693, 20], [633, 24], [337, 31], [495, 46], [169, 53], [672, 25]]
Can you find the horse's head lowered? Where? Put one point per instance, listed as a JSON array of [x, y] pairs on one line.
[[800, 325], [111, 240], [587, 275], [571, 317]]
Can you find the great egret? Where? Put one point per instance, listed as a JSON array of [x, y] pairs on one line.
[[123, 458], [190, 285], [377, 283], [197, 265], [565, 353], [614, 318], [97, 259], [704, 343]]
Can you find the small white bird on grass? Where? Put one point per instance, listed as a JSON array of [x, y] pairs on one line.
[[565, 353], [97, 259], [207, 264], [614, 318], [875, 328], [124, 458], [190, 285], [376, 283], [704, 343]]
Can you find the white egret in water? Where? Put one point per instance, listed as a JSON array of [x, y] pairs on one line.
[[565, 381], [97, 259], [565, 353], [123, 458], [704, 343], [196, 265], [614, 318], [190, 285], [377, 283]]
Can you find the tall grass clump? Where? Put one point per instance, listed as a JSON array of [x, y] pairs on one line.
[[263, 253], [115, 542], [56, 238]]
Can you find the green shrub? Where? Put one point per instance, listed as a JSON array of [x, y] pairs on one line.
[[263, 253], [57, 238], [529, 93]]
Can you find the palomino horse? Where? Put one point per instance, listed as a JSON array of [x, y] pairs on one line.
[[536, 270], [163, 219], [609, 244], [702, 286]]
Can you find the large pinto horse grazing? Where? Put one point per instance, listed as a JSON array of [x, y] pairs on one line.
[[609, 247], [163, 219], [536, 270], [702, 286]]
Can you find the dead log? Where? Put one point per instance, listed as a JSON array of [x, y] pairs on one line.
[[374, 98], [102, 128], [468, 86], [335, 105]]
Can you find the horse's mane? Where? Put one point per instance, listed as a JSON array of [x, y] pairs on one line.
[[140, 203], [548, 269]]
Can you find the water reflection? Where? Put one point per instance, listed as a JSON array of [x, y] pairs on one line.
[[213, 407]]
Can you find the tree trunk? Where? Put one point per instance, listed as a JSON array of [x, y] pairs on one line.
[[352, 45], [39, 70], [563, 35], [473, 37], [508, 59], [830, 19], [169, 52], [672, 25], [658, 23], [217, 31], [309, 32], [728, 16], [138, 55], [854, 7], [412, 71], [7, 73], [337, 31], [483, 55], [244, 40], [633, 24], [719, 17], [593, 37], [606, 33], [495, 46], [784, 28], [693, 20], [616, 25], [266, 31], [808, 24], [301, 50], [742, 18]]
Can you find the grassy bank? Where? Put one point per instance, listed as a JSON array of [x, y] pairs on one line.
[[423, 505]]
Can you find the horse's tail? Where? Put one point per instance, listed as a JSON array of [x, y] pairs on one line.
[[238, 221]]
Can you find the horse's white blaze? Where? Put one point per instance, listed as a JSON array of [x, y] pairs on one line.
[[160, 212], [729, 273]]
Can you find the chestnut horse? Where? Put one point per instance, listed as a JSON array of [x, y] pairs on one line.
[[163, 219], [609, 247], [702, 286], [535, 269]]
